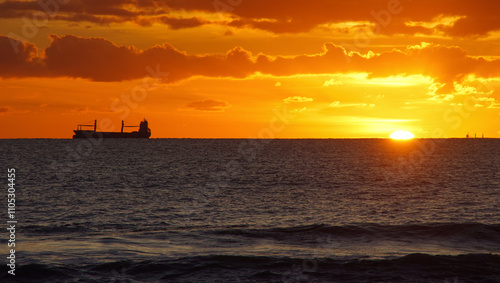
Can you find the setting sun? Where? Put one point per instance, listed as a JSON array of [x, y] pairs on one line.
[[402, 135]]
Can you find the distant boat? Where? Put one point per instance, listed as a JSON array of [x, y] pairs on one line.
[[143, 133]]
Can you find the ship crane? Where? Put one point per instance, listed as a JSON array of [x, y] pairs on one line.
[[123, 126], [79, 127]]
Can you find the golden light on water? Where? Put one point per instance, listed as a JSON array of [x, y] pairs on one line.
[[402, 135]]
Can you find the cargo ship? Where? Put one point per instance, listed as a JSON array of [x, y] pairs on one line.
[[143, 133]]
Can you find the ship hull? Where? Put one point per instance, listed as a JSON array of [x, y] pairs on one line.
[[80, 134]]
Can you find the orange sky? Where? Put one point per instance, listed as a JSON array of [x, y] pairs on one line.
[[251, 68]]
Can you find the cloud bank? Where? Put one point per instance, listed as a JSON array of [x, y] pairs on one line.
[[98, 59]]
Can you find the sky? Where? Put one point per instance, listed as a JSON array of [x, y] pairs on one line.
[[251, 68]]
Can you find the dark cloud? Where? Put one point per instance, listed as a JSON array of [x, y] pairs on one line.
[[180, 23], [98, 12], [91, 58], [101, 60], [211, 105], [19, 58]]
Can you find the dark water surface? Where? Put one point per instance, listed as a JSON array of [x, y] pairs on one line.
[[169, 210]]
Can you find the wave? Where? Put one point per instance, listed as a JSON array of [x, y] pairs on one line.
[[224, 268], [473, 230], [448, 231]]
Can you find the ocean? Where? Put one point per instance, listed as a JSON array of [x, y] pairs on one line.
[[231, 210]]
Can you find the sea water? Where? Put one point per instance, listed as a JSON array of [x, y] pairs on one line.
[[229, 210]]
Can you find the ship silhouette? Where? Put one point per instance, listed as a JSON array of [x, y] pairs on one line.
[[143, 133]]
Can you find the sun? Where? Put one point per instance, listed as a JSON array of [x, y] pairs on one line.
[[402, 135]]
